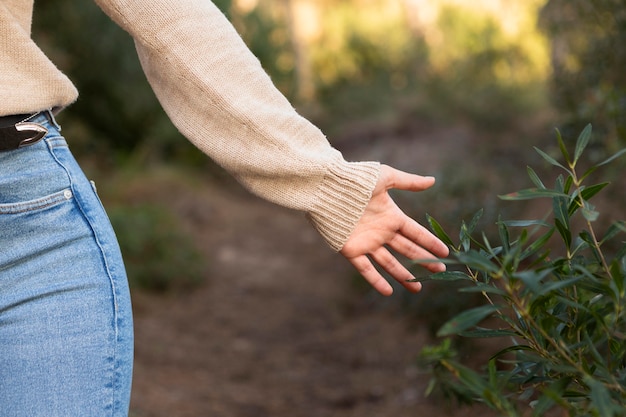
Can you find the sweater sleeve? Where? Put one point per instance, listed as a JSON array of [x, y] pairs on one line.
[[217, 94]]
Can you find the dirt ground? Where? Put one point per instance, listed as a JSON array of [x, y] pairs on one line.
[[280, 327]]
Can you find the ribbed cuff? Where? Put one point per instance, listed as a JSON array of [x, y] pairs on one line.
[[341, 199]]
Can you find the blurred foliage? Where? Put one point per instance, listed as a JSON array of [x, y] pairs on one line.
[[589, 61], [361, 59], [347, 60], [154, 210], [266, 33], [158, 255], [371, 59], [117, 111]]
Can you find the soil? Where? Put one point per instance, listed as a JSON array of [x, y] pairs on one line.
[[282, 326]]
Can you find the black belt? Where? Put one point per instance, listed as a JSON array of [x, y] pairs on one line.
[[16, 131]]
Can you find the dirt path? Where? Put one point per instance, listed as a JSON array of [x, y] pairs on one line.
[[281, 327]]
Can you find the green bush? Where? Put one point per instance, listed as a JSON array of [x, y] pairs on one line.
[[157, 254], [555, 300], [588, 58]]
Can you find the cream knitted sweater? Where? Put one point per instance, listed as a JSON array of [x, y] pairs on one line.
[[216, 93]]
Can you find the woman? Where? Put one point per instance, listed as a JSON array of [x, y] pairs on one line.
[[65, 316]]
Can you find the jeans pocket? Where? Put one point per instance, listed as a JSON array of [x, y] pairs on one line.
[[36, 204]]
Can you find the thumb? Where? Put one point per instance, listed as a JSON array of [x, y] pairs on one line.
[[394, 178]]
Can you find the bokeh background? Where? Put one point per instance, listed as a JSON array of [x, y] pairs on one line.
[[240, 309]]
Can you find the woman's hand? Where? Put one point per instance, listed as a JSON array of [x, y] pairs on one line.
[[384, 225]]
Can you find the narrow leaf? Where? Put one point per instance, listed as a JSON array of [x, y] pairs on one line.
[[613, 231], [551, 395], [447, 276], [601, 398], [475, 260], [590, 214], [617, 276], [532, 193], [562, 147], [589, 172], [592, 190], [532, 279], [466, 319], [481, 332], [535, 178], [565, 233], [439, 232], [514, 348], [471, 379], [475, 219], [585, 195], [549, 159], [537, 245], [612, 158], [504, 236], [484, 288], [582, 142], [526, 223], [557, 285]]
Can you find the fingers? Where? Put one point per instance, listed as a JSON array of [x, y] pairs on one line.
[[419, 237], [394, 178], [414, 252], [364, 266], [395, 269], [391, 265]]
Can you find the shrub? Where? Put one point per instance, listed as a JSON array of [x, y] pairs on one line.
[[157, 254], [555, 299]]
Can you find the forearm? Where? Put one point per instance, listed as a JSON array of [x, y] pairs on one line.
[[216, 93]]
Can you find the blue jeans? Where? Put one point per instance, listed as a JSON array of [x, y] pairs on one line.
[[66, 337]]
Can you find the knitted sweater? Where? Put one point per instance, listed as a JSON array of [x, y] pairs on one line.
[[216, 93]]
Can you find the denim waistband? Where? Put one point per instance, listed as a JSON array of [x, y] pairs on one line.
[[44, 118]]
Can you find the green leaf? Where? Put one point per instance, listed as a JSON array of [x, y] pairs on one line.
[[470, 379], [562, 147], [484, 288], [504, 236], [477, 261], [551, 395], [466, 319], [535, 178], [537, 245], [439, 232], [588, 172], [590, 214], [613, 231], [514, 348], [532, 279], [586, 194], [532, 193], [481, 332], [560, 204], [612, 158], [475, 220], [582, 142], [618, 276], [601, 398], [592, 190], [447, 276], [568, 184], [549, 159], [586, 237], [557, 285], [526, 223], [565, 233]]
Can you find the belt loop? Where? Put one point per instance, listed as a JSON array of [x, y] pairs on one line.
[[51, 119]]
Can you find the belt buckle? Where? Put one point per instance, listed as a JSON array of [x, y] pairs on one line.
[[38, 132]]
